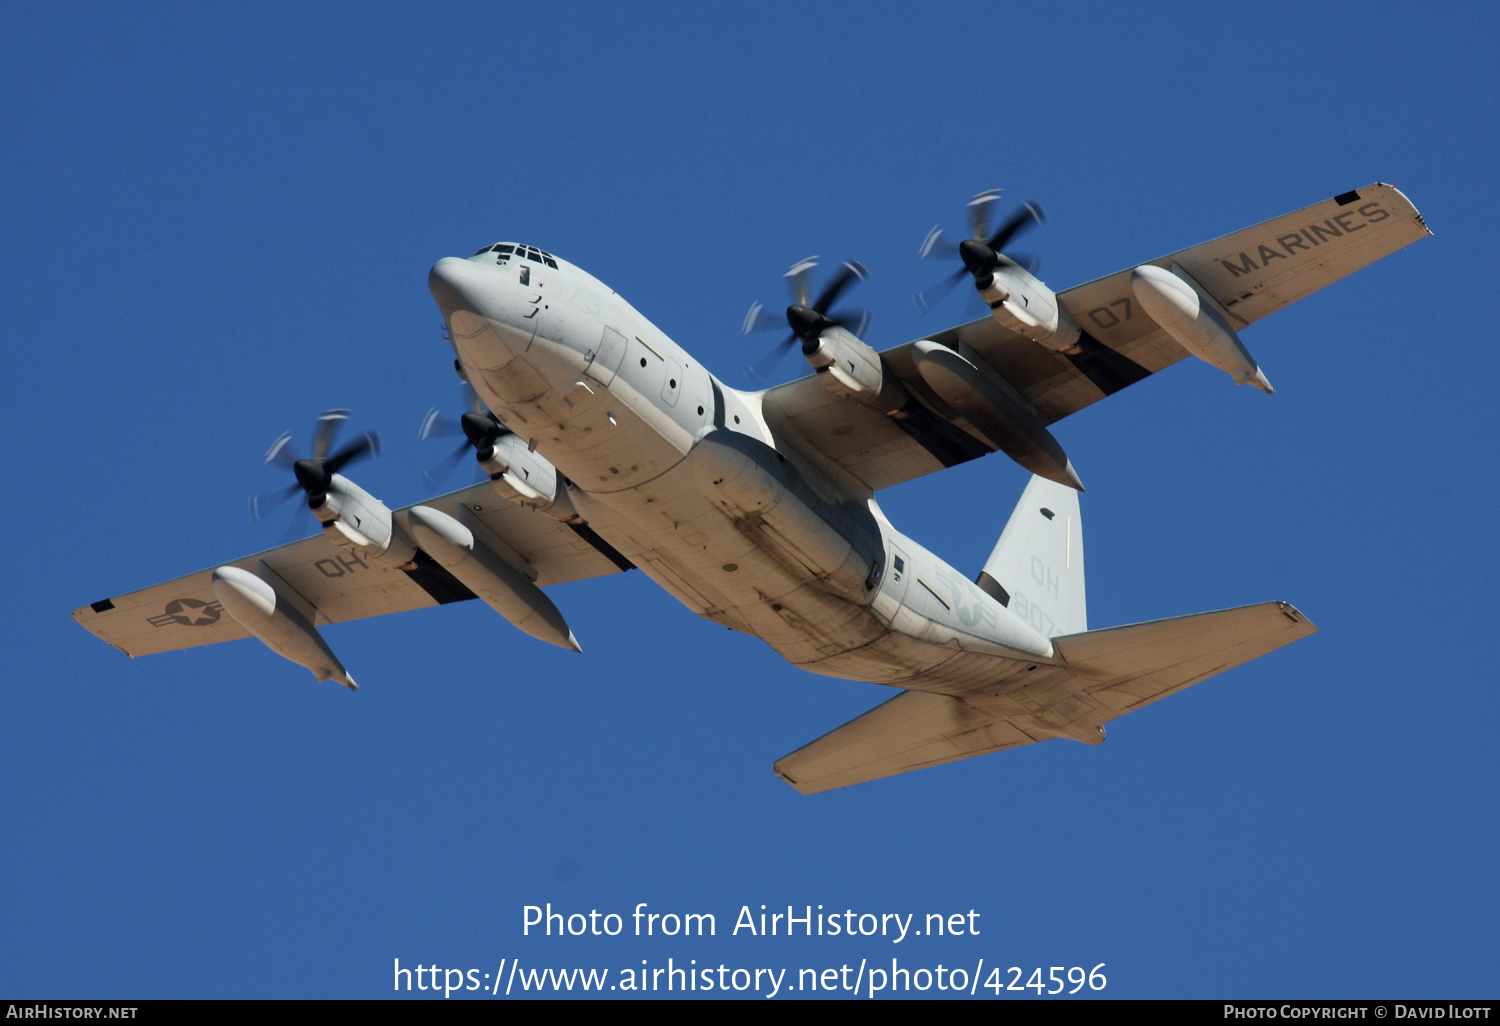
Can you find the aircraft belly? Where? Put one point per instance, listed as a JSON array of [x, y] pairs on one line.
[[595, 437], [703, 558], [726, 573], [899, 660], [728, 527]]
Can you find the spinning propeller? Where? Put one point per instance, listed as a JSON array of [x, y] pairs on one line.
[[315, 474], [807, 319], [480, 428], [981, 251]]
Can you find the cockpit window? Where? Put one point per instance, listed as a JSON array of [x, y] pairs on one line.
[[505, 250]]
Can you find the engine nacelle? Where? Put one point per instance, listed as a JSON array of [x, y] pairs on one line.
[[526, 479], [851, 369], [1020, 303], [352, 518]]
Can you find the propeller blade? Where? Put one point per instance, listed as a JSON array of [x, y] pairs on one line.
[[313, 475], [369, 443], [809, 316], [975, 307], [937, 246], [931, 297], [981, 253], [1028, 215], [760, 371], [856, 322], [437, 475], [852, 271], [478, 427], [262, 506], [798, 276], [1026, 260], [282, 452], [979, 213], [296, 526], [472, 402], [759, 319], [437, 425], [327, 428]]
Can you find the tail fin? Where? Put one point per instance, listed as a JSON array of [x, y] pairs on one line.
[[1036, 568]]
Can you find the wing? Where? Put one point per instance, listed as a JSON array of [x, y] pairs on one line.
[[1108, 673], [338, 585], [1252, 273]]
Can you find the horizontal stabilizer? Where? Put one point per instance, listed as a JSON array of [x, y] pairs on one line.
[[1107, 674], [912, 731], [1128, 667]]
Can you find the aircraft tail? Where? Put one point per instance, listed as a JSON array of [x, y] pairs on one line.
[[1036, 568], [1106, 674]]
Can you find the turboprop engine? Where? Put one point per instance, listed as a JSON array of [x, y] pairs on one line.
[[517, 474], [353, 518], [1196, 321], [525, 478], [350, 516], [262, 602], [850, 368], [830, 341], [830, 338], [1018, 301]]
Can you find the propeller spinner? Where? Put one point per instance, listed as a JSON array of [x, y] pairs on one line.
[[480, 428], [808, 319], [315, 473], [982, 251]]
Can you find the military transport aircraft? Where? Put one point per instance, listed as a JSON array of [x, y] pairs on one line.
[[608, 447]]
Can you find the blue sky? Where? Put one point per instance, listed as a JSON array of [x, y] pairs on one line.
[[219, 224]]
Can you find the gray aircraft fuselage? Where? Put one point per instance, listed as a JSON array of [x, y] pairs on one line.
[[715, 502]]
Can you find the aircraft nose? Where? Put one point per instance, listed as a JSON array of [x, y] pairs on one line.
[[459, 286], [451, 283]]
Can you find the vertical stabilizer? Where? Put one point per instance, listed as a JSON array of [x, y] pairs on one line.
[[1036, 569]]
